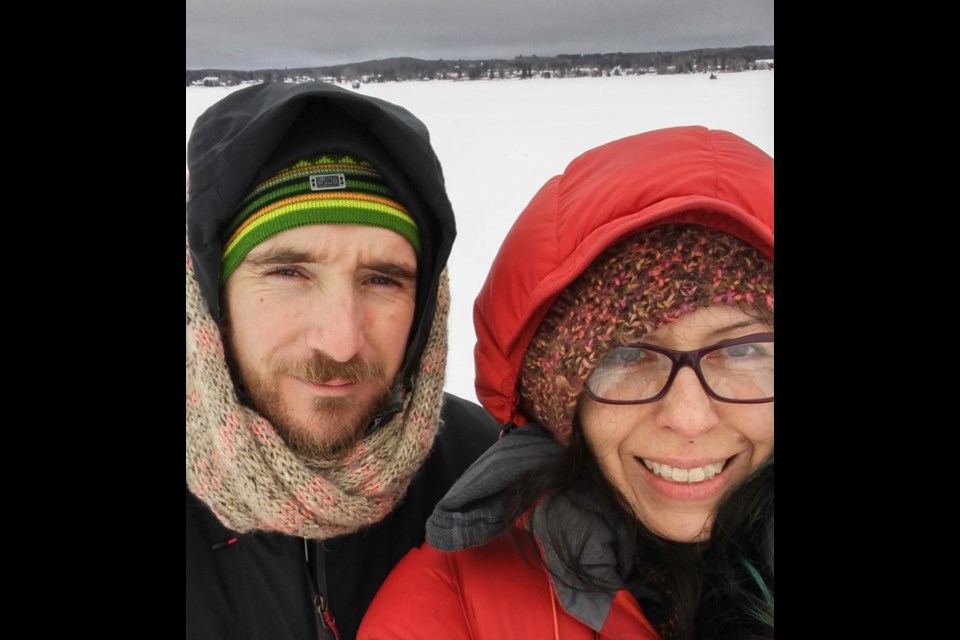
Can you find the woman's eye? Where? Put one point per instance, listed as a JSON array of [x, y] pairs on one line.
[[623, 356], [749, 350], [742, 350]]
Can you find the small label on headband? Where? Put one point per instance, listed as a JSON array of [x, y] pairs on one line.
[[322, 182]]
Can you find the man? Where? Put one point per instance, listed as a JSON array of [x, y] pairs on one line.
[[319, 438]]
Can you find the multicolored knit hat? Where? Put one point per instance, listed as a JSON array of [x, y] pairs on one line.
[[634, 287], [321, 189]]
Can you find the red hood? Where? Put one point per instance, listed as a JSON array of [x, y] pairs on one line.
[[683, 174]]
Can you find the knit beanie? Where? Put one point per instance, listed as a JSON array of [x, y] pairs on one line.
[[320, 189], [634, 287]]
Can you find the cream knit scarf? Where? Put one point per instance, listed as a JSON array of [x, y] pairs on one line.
[[243, 470]]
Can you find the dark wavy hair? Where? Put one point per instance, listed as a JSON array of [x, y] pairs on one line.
[[737, 598], [721, 588]]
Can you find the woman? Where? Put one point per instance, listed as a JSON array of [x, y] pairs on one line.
[[626, 328]]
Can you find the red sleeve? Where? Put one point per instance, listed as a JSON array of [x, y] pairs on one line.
[[421, 598]]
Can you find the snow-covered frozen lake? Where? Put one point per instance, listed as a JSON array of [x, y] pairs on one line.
[[500, 140]]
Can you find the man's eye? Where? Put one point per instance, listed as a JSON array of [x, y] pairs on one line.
[[383, 281], [283, 272]]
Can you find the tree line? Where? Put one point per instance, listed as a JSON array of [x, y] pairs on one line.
[[565, 65]]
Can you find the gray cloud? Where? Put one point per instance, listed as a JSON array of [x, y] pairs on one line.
[[257, 34]]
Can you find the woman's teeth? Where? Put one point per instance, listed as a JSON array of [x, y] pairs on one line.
[[697, 474]]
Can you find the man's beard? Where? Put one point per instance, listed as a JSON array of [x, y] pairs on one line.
[[337, 422]]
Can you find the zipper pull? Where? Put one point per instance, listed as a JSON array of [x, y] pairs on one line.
[[221, 545], [326, 619]]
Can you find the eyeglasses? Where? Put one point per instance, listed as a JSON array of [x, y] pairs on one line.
[[738, 370]]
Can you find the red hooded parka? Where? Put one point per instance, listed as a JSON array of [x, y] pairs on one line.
[[684, 174]]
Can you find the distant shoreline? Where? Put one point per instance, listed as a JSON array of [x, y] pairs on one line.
[[719, 60]]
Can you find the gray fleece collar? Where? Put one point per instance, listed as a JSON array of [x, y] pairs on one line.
[[471, 514]]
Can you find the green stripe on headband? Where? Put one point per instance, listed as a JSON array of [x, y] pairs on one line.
[[328, 189], [298, 214]]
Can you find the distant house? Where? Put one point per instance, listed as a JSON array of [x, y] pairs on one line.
[[763, 64], [211, 81]]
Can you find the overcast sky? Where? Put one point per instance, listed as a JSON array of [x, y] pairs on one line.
[[258, 34]]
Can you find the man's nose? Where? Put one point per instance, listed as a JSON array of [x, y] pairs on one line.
[[335, 324]]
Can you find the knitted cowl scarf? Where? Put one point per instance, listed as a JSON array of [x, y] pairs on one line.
[[243, 470]]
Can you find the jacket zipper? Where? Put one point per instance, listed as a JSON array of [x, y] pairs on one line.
[[326, 619], [316, 572]]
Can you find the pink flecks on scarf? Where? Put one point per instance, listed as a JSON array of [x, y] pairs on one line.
[[319, 492], [291, 517], [229, 433], [262, 431], [208, 341]]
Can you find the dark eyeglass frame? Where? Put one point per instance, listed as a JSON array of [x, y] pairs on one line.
[[690, 359]]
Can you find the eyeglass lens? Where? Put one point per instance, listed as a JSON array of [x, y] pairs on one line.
[[737, 372]]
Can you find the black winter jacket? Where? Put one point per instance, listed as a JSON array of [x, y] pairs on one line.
[[260, 587]]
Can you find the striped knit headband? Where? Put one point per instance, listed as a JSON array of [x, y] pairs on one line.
[[323, 189], [633, 288]]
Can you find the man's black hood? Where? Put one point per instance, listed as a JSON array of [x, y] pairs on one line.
[[252, 133]]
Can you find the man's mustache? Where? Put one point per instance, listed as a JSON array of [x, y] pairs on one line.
[[322, 368]]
